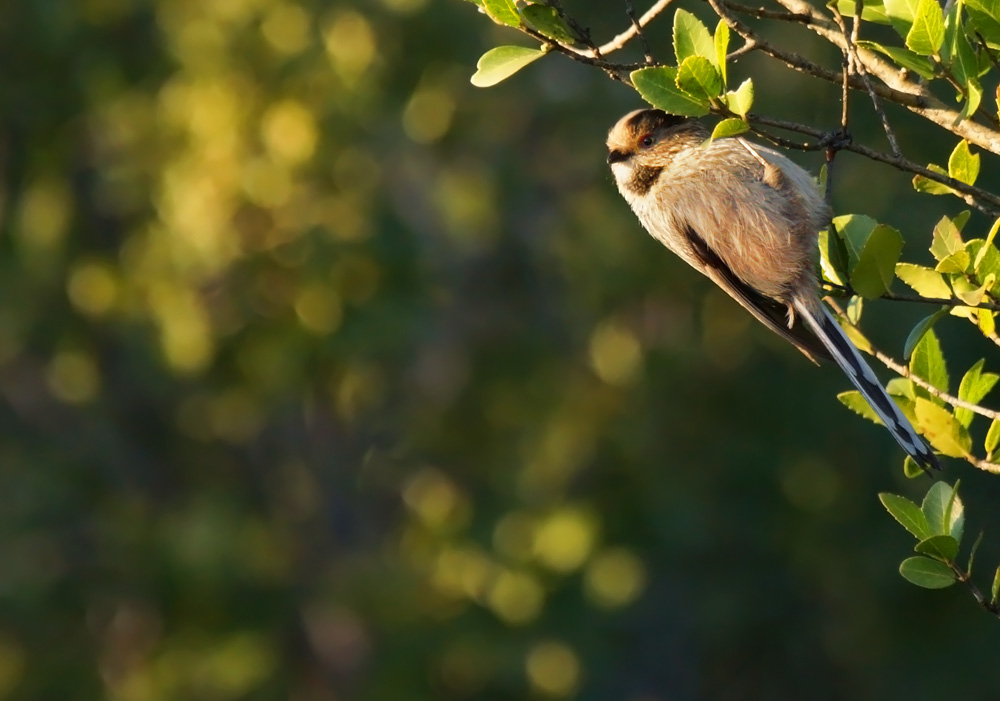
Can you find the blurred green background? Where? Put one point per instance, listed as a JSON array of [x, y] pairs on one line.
[[327, 376]]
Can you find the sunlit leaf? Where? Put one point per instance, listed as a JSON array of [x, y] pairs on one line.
[[698, 77], [740, 100], [856, 402], [963, 165], [927, 362], [973, 98], [658, 87], [503, 12], [907, 514], [502, 62], [833, 257], [926, 35], [691, 37], [721, 40], [976, 384], [729, 127], [992, 438], [924, 281], [904, 58], [947, 239], [945, 434], [871, 11]]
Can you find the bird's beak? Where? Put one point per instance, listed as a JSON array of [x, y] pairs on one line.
[[616, 156]]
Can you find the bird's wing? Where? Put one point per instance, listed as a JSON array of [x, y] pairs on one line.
[[770, 312]]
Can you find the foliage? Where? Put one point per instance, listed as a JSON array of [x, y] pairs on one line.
[[955, 46], [326, 375]]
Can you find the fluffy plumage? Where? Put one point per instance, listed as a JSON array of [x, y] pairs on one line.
[[748, 218]]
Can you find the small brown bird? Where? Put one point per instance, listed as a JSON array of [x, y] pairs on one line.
[[748, 218]]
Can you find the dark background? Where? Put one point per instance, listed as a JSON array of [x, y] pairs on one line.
[[326, 375]]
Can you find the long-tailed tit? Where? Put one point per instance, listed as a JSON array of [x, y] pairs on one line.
[[747, 218]]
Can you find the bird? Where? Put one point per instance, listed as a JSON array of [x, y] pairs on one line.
[[748, 218]]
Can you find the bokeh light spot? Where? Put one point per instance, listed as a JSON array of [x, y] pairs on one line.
[[615, 354], [286, 28], [564, 540], [289, 132], [350, 43], [516, 598], [92, 288], [74, 377], [614, 578], [428, 114], [553, 668], [434, 499], [318, 308]]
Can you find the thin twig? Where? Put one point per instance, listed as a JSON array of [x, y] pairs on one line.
[[648, 16], [855, 62], [894, 86], [630, 11], [761, 13], [973, 196]]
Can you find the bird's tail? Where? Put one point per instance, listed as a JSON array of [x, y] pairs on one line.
[[826, 328]]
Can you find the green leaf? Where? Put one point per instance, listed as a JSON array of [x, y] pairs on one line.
[[904, 58], [972, 553], [927, 362], [873, 250], [924, 281], [938, 426], [871, 11], [856, 402], [927, 33], [502, 62], [547, 21], [698, 77], [740, 100], [729, 127], [963, 165], [940, 503], [691, 37], [907, 514], [959, 52], [658, 87], [833, 258], [992, 438], [976, 384], [966, 291], [855, 308], [973, 98], [985, 16], [924, 184], [503, 12], [988, 249], [920, 330], [721, 41], [940, 547], [987, 322], [927, 573], [947, 239], [911, 470], [995, 589], [901, 14]]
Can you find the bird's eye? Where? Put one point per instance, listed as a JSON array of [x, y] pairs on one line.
[[647, 141]]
